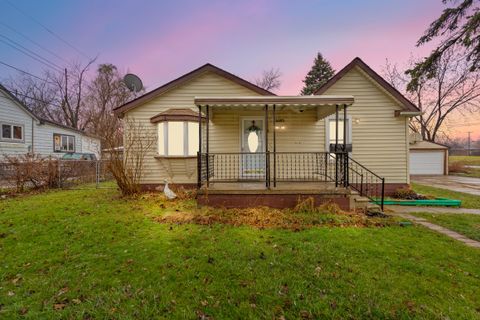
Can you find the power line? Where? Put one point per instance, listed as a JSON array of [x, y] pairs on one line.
[[30, 55], [34, 42], [468, 124], [36, 99], [31, 51], [48, 30], [25, 72], [14, 92]]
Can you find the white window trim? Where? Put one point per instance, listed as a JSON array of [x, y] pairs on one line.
[[12, 139], [68, 136], [327, 130], [165, 140]]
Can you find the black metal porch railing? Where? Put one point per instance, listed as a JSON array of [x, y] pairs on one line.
[[234, 167], [273, 167], [366, 182], [302, 166]]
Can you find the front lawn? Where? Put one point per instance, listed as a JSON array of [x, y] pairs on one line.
[[466, 224], [468, 160], [468, 200], [89, 254], [460, 162]]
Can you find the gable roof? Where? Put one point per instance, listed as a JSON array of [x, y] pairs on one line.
[[57, 124], [18, 102], [357, 62], [120, 110], [39, 119]]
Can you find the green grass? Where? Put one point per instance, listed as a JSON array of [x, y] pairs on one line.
[[468, 160], [87, 254], [466, 224], [465, 160], [468, 200]]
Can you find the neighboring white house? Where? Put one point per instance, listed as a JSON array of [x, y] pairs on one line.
[[23, 132]]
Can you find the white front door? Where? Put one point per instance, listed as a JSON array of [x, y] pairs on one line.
[[252, 148]]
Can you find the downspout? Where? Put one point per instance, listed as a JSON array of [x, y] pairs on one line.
[[407, 147], [33, 136]]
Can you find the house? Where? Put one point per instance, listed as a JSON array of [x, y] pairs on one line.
[[23, 132], [257, 148]]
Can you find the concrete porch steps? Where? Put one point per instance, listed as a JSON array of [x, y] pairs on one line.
[[358, 202]]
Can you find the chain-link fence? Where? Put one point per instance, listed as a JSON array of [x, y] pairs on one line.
[[85, 174], [55, 173]]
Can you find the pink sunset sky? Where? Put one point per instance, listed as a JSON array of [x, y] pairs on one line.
[[161, 40]]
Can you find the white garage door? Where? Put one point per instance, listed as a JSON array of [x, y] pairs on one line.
[[427, 162]]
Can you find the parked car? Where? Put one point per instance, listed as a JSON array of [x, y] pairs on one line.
[[79, 156]]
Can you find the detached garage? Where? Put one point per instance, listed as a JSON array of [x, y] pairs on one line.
[[427, 158]]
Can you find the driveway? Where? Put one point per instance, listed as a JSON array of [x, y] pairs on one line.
[[454, 183]]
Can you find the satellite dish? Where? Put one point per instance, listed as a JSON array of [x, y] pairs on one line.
[[133, 82]]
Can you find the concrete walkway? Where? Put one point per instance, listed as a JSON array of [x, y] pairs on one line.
[[409, 209], [453, 183], [449, 233]]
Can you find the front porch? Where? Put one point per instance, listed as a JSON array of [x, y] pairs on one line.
[[284, 195], [265, 165]]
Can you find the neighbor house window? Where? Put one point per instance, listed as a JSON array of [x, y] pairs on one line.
[[63, 143], [12, 132], [178, 138]]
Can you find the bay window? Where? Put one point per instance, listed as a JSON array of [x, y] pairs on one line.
[[178, 138], [177, 131]]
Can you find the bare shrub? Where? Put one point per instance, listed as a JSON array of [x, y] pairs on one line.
[[308, 205], [458, 167], [30, 171], [407, 194], [127, 167]]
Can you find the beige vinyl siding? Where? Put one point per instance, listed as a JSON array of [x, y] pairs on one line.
[[380, 140], [180, 170], [302, 130]]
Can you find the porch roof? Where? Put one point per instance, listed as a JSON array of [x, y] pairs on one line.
[[283, 101]]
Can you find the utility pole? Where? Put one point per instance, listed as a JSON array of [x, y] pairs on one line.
[[469, 143]]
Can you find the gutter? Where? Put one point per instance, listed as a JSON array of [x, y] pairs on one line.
[[408, 113]]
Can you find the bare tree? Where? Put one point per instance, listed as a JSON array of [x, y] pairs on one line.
[[454, 89], [59, 97], [71, 87], [37, 95], [270, 79], [127, 166], [106, 91]]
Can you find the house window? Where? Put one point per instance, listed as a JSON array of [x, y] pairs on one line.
[[63, 143], [12, 132], [178, 138], [331, 132]]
